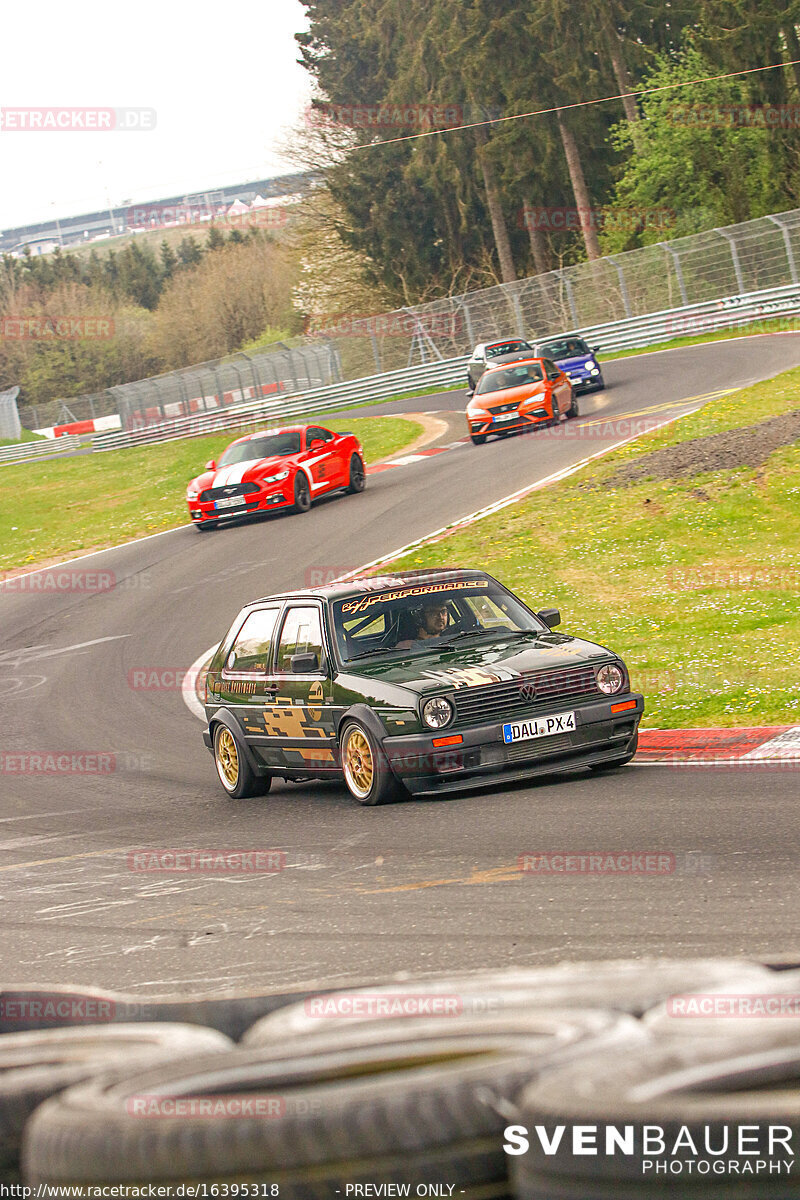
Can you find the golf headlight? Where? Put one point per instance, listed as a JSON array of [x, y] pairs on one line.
[[610, 679], [437, 712], [275, 478], [192, 493]]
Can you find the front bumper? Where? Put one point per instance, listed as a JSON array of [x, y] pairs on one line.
[[482, 756], [486, 424], [585, 383], [274, 496]]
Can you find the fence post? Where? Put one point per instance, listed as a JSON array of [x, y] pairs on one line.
[[468, 319], [788, 244], [567, 282], [676, 262], [737, 267], [623, 289], [376, 354]]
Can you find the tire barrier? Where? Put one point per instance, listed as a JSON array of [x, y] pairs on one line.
[[34, 1066], [36, 1007], [626, 986], [366, 1105], [576, 1082]]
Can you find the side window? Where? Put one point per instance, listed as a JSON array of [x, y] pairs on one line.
[[253, 646], [301, 634], [314, 433], [551, 369]]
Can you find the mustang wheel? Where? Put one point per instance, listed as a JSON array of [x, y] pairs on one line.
[[302, 493], [358, 476], [477, 438], [366, 772], [234, 771]]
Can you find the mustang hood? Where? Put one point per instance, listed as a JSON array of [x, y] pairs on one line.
[[240, 472], [481, 664]]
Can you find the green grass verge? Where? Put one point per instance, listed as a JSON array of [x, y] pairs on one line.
[[66, 506], [694, 581], [27, 436], [770, 325]]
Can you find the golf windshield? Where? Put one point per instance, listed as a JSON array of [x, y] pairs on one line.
[[412, 619], [510, 377], [273, 446]]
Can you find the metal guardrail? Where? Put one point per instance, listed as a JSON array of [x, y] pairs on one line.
[[47, 448], [723, 313], [282, 408], [694, 319]]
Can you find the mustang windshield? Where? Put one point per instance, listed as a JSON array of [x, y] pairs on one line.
[[564, 348], [261, 447], [412, 619], [510, 377]]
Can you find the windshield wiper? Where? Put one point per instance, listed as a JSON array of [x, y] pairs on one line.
[[372, 650], [465, 633]]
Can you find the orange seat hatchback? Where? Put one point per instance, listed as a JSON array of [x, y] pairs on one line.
[[518, 396]]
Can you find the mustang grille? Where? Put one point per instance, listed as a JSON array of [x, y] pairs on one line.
[[497, 700], [233, 489]]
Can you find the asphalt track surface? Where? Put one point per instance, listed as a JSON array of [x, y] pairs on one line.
[[429, 885]]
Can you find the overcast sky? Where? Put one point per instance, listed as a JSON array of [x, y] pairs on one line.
[[223, 80]]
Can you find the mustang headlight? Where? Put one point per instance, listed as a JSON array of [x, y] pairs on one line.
[[610, 679], [275, 478], [437, 712]]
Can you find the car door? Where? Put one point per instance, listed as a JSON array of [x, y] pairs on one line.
[[300, 720], [246, 686], [562, 391], [320, 460]]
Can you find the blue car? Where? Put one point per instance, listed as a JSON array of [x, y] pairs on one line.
[[576, 360]]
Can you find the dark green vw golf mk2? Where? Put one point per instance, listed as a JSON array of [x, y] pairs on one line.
[[417, 682]]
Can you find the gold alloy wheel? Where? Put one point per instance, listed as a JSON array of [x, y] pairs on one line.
[[359, 769], [227, 757]]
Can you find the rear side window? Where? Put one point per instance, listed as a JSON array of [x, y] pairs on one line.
[[301, 634], [252, 649]]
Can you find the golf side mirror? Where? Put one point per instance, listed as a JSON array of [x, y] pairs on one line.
[[550, 616]]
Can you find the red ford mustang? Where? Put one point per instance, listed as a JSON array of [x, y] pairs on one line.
[[276, 468]]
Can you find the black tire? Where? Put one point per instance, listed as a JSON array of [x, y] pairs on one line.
[[234, 771], [632, 986], [302, 494], [367, 774], [477, 439], [358, 476], [205, 526], [700, 1085], [574, 409], [348, 1113], [622, 761], [599, 383], [471, 385], [35, 1066]]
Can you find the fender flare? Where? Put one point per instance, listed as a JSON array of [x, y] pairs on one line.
[[224, 717], [365, 716]]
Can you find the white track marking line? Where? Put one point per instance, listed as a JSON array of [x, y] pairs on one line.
[[188, 693]]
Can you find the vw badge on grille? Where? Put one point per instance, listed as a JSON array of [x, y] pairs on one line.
[[527, 693]]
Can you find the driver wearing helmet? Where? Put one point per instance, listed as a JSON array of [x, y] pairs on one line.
[[430, 620]]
